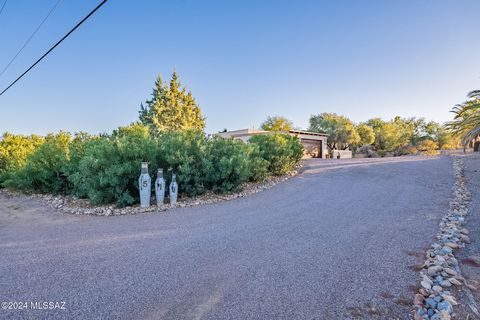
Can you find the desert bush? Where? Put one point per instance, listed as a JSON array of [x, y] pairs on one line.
[[448, 146], [382, 153], [105, 168], [405, 151], [372, 154], [282, 151], [401, 152], [428, 147], [258, 166], [110, 166], [76, 151], [365, 149], [183, 153], [44, 169], [14, 151], [412, 150], [226, 164]]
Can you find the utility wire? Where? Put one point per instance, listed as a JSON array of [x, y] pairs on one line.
[[3, 6], [30, 38], [56, 44]]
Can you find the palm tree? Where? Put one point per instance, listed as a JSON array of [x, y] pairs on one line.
[[466, 122]]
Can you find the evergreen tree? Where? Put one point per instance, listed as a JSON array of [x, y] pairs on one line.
[[171, 108]]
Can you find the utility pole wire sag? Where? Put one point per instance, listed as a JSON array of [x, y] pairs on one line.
[[56, 44]]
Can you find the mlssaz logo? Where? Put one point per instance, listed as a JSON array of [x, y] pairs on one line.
[[45, 305]]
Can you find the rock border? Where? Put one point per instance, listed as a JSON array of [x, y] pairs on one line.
[[73, 205], [441, 270]]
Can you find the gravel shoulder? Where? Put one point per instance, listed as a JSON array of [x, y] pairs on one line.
[[342, 240], [471, 267]]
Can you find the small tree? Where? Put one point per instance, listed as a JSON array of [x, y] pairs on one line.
[[15, 149], [341, 131], [277, 123], [171, 108], [391, 135], [43, 170], [281, 151], [366, 134]]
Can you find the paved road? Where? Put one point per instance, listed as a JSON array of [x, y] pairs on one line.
[[339, 241]]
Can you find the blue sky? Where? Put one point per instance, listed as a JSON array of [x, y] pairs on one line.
[[243, 60]]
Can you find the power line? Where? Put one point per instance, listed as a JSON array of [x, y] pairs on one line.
[[56, 44], [30, 38], [3, 6]]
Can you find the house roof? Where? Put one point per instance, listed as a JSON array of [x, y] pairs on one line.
[[308, 133]]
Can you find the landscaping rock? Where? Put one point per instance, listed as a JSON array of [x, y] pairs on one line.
[[450, 271], [445, 306], [72, 205], [418, 300], [431, 303], [445, 283], [441, 267], [451, 245], [437, 289], [450, 299], [434, 270], [426, 285], [455, 281]]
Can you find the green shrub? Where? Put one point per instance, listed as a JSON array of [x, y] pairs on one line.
[[405, 151], [14, 151], [412, 150], [226, 164], [105, 169], [448, 146], [282, 151], [382, 153], [427, 145], [109, 169], [43, 170], [183, 153], [258, 166], [401, 152], [76, 150]]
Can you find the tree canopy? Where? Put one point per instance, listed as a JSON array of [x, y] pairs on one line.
[[340, 130], [171, 108], [277, 123], [15, 149], [366, 134], [394, 135], [466, 122]]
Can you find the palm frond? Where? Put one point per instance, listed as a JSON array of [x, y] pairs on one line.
[[475, 94], [471, 135]]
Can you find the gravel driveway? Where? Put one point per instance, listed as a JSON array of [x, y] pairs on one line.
[[342, 240]]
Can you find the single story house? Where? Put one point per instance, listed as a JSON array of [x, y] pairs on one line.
[[315, 144]]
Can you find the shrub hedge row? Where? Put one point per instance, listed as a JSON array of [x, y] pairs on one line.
[[105, 168]]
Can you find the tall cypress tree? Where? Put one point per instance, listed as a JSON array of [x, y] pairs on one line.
[[171, 108]]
